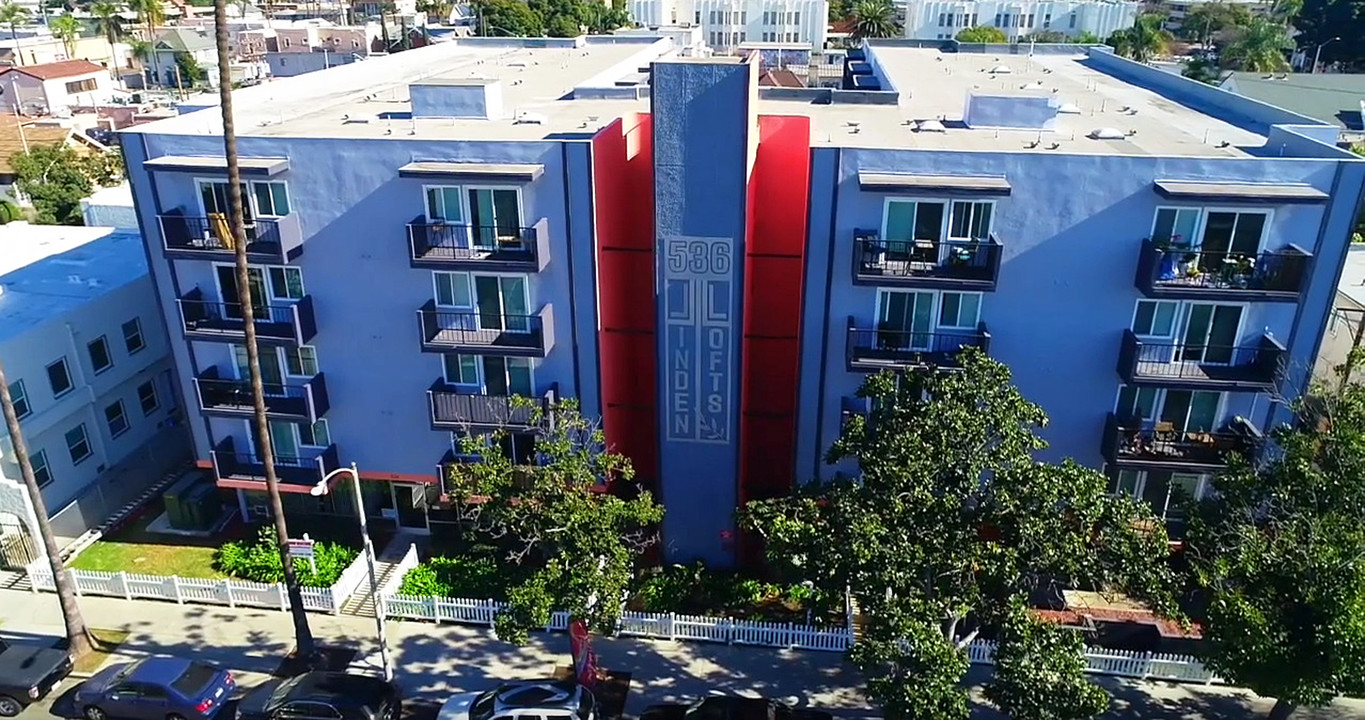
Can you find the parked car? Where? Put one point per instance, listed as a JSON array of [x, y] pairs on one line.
[[543, 699], [322, 696], [156, 688], [730, 707], [28, 672]]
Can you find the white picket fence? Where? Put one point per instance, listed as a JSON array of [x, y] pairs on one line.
[[1122, 663], [219, 592]]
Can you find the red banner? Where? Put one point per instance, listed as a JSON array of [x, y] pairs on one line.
[[584, 659]]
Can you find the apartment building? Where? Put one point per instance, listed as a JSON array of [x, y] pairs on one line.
[[727, 24], [437, 230], [944, 19], [85, 354]]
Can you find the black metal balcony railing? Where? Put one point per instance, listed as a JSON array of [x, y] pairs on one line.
[[964, 264], [453, 408], [437, 244], [275, 240], [1250, 367], [888, 348], [1161, 445], [293, 470], [306, 402], [1188, 272], [210, 320], [486, 332]]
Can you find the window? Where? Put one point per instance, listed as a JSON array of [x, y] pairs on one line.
[[41, 472], [970, 220], [1072, 20], [80, 86], [1183, 410], [272, 198], [959, 310], [1137, 403], [1176, 225], [1031, 18], [286, 283], [452, 289], [1155, 318], [99, 354], [697, 18], [115, 419], [146, 397], [507, 376], [59, 378], [906, 221], [20, 398], [77, 444], [1047, 20], [461, 369], [132, 336], [300, 362], [315, 435]]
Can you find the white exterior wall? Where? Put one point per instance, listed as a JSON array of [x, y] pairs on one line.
[[57, 95], [726, 24], [944, 19]]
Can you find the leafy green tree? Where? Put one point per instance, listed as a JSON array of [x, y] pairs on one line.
[[1208, 21], [1143, 42], [951, 518], [602, 19], [840, 10], [874, 19], [1040, 672], [13, 14], [66, 29], [1261, 46], [1276, 551], [55, 178], [150, 13], [1201, 69], [191, 73], [1337, 27], [503, 18], [563, 26], [573, 545], [983, 34], [1085, 37]]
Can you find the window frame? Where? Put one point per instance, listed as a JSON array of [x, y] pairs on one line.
[[1176, 318], [122, 415], [37, 461], [20, 397], [136, 323], [71, 447], [156, 398], [101, 341], [66, 372], [1202, 221]]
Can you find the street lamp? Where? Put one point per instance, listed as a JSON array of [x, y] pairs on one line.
[[1318, 53], [322, 488]]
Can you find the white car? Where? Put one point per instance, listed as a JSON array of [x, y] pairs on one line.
[[525, 700]]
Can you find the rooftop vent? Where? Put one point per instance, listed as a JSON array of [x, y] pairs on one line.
[[931, 126], [1000, 70], [1106, 133], [529, 118], [1069, 109]]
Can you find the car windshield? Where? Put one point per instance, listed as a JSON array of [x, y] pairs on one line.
[[482, 709], [193, 681]]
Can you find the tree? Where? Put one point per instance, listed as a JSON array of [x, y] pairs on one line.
[[563, 26], [948, 522], [66, 28], [874, 19], [602, 19], [190, 71], [1259, 47], [507, 18], [56, 178], [983, 34], [1208, 21], [109, 22], [1040, 672], [1202, 69], [1045, 36], [1337, 27], [572, 543], [1085, 37], [1275, 551], [303, 635], [840, 10], [150, 13], [13, 14], [1143, 42], [79, 640]]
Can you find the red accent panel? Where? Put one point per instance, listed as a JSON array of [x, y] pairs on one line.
[[623, 204], [775, 261]]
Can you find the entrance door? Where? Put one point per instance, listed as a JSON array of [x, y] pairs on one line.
[[227, 288], [1210, 333], [410, 504], [495, 216], [502, 303], [905, 320]]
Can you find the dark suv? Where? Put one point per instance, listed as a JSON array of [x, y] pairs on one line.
[[28, 672]]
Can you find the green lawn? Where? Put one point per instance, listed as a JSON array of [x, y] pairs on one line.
[[135, 550]]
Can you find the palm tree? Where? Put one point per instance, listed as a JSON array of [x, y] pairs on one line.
[[12, 14], [78, 636], [109, 21], [66, 28], [302, 633], [150, 13], [1145, 40], [874, 19], [1259, 47]]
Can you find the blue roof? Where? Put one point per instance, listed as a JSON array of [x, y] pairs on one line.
[[46, 271]]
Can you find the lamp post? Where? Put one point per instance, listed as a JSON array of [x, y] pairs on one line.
[[1318, 53], [322, 488]]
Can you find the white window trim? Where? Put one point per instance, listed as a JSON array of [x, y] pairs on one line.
[[85, 436], [1140, 488], [249, 203], [473, 293], [462, 192], [38, 459], [1182, 312], [22, 395], [946, 223], [141, 338], [108, 355], [156, 397], [482, 381], [123, 412], [271, 299], [1202, 222], [934, 326]]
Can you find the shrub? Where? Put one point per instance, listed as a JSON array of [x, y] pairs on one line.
[[478, 577], [259, 561]]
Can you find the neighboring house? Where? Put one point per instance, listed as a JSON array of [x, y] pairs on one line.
[[40, 49], [289, 64], [1336, 99], [713, 268], [84, 351], [944, 19], [1345, 329], [726, 24], [53, 87], [195, 42], [14, 139], [1177, 11]]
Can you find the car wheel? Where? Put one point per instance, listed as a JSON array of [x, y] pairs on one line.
[[93, 713], [9, 707]]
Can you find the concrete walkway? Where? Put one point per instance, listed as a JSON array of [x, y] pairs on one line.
[[436, 661]]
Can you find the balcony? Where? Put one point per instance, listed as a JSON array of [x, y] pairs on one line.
[[204, 319], [873, 350], [273, 241], [455, 409], [1158, 446], [244, 470], [480, 333], [229, 397], [1250, 368], [1192, 274], [443, 246], [947, 264]]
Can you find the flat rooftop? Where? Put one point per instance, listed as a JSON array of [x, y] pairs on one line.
[[47, 271], [370, 99]]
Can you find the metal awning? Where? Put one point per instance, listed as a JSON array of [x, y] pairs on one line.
[[1243, 192], [908, 183], [215, 164], [513, 172]]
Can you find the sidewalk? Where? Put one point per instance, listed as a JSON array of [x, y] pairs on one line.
[[434, 662]]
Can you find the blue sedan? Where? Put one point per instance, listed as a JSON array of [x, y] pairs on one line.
[[157, 688]]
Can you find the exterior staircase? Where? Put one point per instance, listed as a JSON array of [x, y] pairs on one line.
[[362, 602]]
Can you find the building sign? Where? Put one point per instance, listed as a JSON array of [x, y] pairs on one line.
[[699, 309]]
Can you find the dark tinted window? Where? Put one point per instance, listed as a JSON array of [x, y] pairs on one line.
[[152, 692], [483, 706], [193, 681]]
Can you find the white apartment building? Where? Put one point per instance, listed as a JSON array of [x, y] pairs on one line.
[[944, 19], [726, 24], [85, 353]]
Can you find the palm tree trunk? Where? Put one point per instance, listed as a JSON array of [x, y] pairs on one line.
[[151, 51], [77, 634], [303, 635]]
